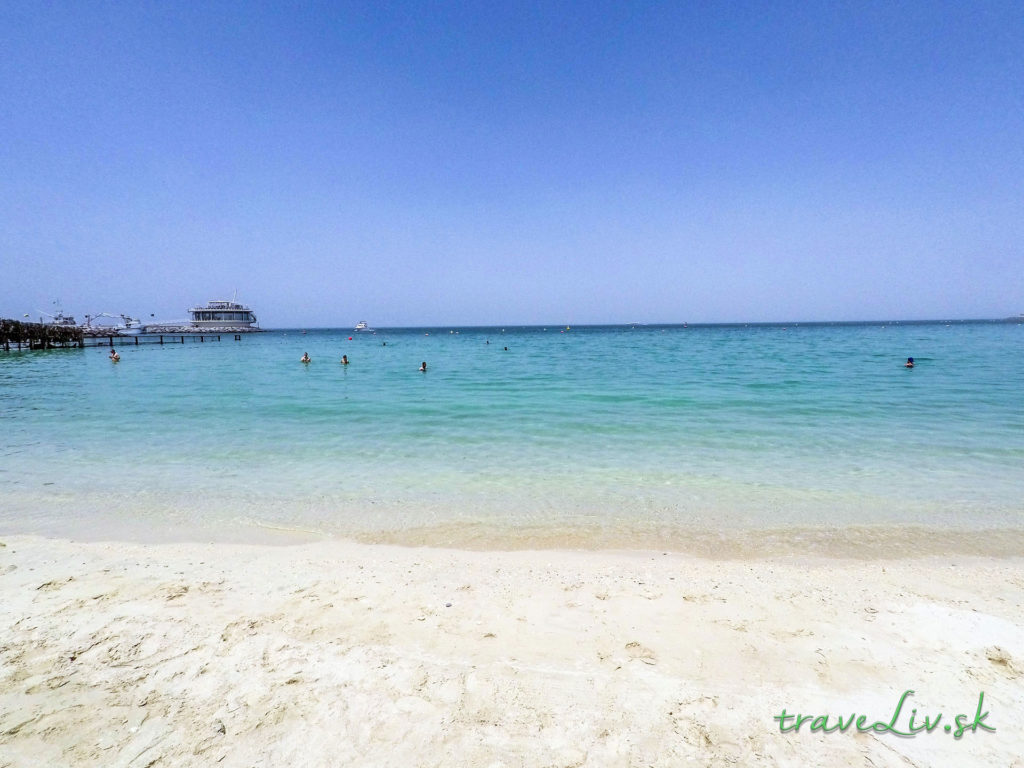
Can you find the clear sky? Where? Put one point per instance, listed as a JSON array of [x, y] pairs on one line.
[[415, 163]]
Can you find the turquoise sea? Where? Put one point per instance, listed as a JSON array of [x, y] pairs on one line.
[[798, 438]]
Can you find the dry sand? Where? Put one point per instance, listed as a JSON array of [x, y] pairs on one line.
[[344, 654]]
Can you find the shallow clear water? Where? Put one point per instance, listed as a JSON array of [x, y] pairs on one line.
[[606, 435]]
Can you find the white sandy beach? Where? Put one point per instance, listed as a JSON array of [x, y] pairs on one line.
[[345, 654]]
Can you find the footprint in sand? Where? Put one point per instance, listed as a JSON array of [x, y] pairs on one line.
[[641, 652], [1002, 661], [51, 585]]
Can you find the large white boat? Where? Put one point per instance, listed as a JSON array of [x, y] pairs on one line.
[[64, 321], [362, 326], [226, 315], [218, 316], [59, 318]]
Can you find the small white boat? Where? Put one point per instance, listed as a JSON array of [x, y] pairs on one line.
[[362, 326], [129, 326]]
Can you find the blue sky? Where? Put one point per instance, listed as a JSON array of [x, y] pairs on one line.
[[478, 163]]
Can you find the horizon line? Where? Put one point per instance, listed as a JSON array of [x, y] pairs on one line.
[[732, 323]]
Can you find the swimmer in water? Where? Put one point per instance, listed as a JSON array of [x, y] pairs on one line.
[[909, 363], [344, 359], [423, 366], [305, 357], [114, 357]]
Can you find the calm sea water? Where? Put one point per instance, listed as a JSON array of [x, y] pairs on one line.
[[590, 436]]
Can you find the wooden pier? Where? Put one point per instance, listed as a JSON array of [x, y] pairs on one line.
[[135, 339], [16, 335]]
